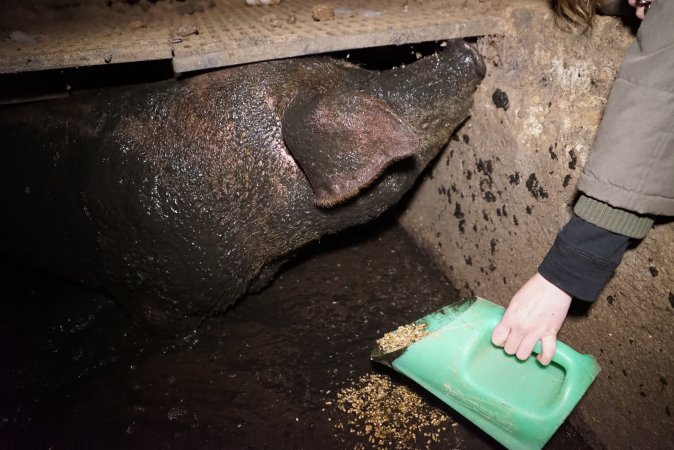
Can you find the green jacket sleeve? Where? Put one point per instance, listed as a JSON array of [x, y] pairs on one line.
[[615, 220], [631, 165]]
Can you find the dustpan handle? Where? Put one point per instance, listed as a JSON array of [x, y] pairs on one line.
[[562, 356], [579, 370]]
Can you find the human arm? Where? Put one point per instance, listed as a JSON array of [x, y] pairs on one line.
[[579, 264], [630, 169]]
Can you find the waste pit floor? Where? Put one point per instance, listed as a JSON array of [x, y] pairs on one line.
[[286, 368]]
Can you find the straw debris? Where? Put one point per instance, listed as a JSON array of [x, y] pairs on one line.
[[390, 416]]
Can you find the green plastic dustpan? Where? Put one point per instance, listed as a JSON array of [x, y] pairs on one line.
[[519, 403]]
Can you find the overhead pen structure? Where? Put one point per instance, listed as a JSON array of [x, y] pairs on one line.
[[206, 34]]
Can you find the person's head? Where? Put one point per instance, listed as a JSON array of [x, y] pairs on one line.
[[577, 12], [581, 12]]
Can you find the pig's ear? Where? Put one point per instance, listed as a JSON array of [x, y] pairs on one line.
[[343, 142]]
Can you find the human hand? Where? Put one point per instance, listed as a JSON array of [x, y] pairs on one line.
[[536, 312], [641, 7]]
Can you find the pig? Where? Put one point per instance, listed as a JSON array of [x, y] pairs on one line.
[[176, 197]]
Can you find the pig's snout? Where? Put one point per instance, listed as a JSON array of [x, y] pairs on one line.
[[465, 54]]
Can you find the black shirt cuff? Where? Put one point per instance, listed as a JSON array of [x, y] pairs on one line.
[[583, 258]]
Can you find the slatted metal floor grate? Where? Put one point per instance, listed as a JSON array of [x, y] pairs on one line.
[[203, 34]]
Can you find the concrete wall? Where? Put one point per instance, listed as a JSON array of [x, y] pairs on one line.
[[492, 203]]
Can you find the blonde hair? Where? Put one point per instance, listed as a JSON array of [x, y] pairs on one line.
[[576, 12]]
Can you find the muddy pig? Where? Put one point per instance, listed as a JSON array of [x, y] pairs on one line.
[[175, 197]]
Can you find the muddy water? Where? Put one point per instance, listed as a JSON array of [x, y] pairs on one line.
[[76, 372]]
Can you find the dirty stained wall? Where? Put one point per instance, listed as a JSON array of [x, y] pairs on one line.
[[492, 203]]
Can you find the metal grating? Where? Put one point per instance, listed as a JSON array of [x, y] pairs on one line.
[[229, 31]]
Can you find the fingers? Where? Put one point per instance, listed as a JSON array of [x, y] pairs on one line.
[[549, 344], [513, 342], [641, 7], [526, 347], [500, 334], [522, 346], [503, 336], [641, 12]]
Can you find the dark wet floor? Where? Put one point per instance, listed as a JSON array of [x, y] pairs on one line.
[[76, 372]]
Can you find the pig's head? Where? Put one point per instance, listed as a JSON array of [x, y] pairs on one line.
[[346, 138]]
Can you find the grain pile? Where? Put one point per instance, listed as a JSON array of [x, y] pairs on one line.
[[391, 416], [402, 337]]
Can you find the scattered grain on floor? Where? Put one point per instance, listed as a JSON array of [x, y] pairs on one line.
[[389, 415]]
